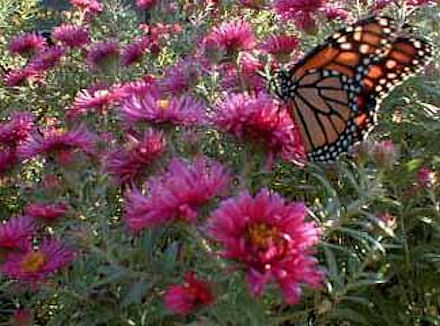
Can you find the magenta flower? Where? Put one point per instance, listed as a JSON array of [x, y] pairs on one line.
[[98, 100], [426, 178], [181, 77], [301, 11], [47, 211], [57, 142], [103, 54], [177, 194], [280, 45], [145, 4], [149, 107], [261, 121], [271, 239], [193, 294], [134, 52], [73, 36], [332, 11], [17, 232], [8, 158], [27, 44], [231, 37], [22, 317], [18, 77], [17, 129], [128, 163], [136, 88], [36, 265], [94, 7], [47, 59]]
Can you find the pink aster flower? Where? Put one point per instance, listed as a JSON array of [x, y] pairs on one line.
[[426, 178], [177, 194], [271, 239], [128, 163], [36, 265], [8, 158], [98, 100], [145, 4], [16, 233], [136, 88], [301, 11], [103, 54], [73, 36], [17, 129], [231, 37], [22, 317], [27, 44], [47, 211], [18, 77], [336, 12], [150, 107], [281, 45], [57, 142], [181, 77], [134, 52], [47, 59], [193, 294], [92, 6], [263, 122]]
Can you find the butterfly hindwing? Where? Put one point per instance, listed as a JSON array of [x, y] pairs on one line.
[[336, 90]]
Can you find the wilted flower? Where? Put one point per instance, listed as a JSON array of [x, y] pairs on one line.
[[387, 222], [261, 121], [184, 298], [17, 129], [230, 37], [27, 44], [22, 317], [426, 178], [234, 81], [145, 4], [128, 163], [36, 265], [60, 143], [271, 239], [385, 153], [16, 233], [150, 107], [177, 194], [47, 59], [71, 35], [134, 52], [103, 54], [254, 4], [301, 11], [48, 211]]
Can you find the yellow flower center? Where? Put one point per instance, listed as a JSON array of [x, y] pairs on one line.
[[163, 104], [33, 262], [261, 234]]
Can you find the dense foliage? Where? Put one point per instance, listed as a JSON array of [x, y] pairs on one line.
[[148, 176]]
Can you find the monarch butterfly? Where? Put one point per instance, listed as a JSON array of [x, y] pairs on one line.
[[335, 91]]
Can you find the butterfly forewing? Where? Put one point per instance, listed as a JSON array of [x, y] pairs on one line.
[[335, 90]]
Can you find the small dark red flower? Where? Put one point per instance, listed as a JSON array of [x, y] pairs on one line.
[[185, 298]]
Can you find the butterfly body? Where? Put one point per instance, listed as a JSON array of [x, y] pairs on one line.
[[335, 91]]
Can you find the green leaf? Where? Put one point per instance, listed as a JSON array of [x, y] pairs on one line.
[[136, 292]]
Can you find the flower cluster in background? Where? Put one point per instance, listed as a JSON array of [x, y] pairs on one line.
[[146, 169]]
